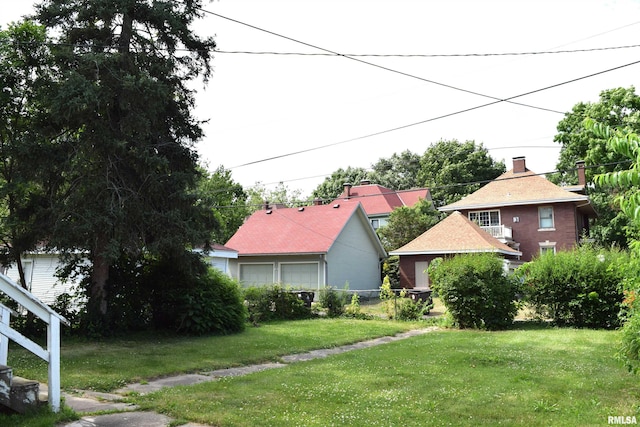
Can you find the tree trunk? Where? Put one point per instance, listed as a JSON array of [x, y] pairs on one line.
[[97, 305]]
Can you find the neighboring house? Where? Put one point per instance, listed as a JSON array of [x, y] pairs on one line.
[[40, 275], [529, 213], [309, 247], [218, 256], [453, 235], [379, 201]]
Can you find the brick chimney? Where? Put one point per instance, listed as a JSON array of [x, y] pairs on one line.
[[519, 165], [582, 179], [347, 190]]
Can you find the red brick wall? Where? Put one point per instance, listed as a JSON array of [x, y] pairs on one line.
[[408, 268], [526, 230]]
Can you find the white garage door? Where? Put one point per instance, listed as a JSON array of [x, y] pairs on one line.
[[256, 274], [303, 275]]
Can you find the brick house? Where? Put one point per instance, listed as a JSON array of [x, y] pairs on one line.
[[379, 201], [453, 235], [529, 213], [522, 211]]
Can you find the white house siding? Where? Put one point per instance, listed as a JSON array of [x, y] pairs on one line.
[[352, 259], [40, 272]]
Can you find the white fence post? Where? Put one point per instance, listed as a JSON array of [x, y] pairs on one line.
[[53, 345], [5, 319]]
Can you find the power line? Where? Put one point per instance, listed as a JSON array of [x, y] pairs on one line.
[[426, 55], [437, 187], [377, 65], [433, 118]]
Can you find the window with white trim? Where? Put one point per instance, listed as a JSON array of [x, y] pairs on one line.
[[485, 218], [545, 217], [547, 247]]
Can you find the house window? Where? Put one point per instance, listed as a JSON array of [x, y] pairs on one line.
[[485, 218], [545, 217], [547, 247], [375, 223]]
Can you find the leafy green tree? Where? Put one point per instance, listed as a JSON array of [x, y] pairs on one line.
[[333, 185], [448, 163], [131, 172], [25, 74], [407, 223], [618, 108], [398, 172], [227, 200], [280, 195]]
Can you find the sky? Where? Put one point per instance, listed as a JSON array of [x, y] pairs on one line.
[[351, 111]]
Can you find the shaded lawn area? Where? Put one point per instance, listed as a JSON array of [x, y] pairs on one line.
[[112, 363], [532, 377]]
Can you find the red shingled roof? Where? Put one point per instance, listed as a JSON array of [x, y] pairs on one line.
[[454, 234], [312, 229], [376, 199]]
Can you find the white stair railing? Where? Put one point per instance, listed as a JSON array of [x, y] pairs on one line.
[[51, 354]]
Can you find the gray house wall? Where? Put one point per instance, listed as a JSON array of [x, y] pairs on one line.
[[353, 258]]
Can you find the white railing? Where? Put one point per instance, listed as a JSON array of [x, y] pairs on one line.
[[499, 231], [51, 354]]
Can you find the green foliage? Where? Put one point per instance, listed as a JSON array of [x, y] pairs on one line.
[[274, 302], [400, 307], [406, 223], [226, 199], [398, 172], [617, 108], [332, 300], [391, 270], [580, 288], [333, 185], [475, 290], [123, 106], [354, 310], [451, 162]]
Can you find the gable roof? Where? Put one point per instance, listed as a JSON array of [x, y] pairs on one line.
[[455, 234], [295, 231], [509, 189], [378, 200]]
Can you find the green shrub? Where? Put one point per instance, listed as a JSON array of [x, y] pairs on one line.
[[580, 288], [274, 302], [475, 290], [354, 310], [399, 307], [333, 301], [629, 351], [214, 305]]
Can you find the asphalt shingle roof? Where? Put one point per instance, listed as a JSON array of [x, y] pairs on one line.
[[312, 229], [515, 189], [377, 200], [454, 234]]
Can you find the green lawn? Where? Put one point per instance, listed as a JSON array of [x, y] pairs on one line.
[[559, 377], [536, 376]]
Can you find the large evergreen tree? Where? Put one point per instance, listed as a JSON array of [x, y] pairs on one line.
[[131, 171]]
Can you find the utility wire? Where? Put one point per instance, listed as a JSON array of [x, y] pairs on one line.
[[433, 118], [426, 55], [377, 65]]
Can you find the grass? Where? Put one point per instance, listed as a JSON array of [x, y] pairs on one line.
[[560, 377], [110, 364], [531, 375]]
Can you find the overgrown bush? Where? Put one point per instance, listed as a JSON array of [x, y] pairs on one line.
[[629, 351], [475, 290], [354, 310], [399, 307], [274, 302], [580, 288], [332, 300]]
